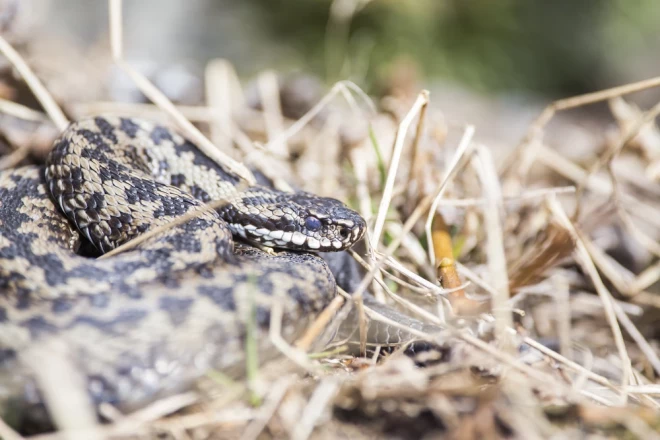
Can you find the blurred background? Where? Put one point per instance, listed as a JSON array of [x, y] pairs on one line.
[[492, 63], [557, 48]]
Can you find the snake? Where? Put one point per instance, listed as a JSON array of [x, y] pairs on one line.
[[151, 320]]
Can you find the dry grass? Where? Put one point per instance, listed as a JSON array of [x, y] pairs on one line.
[[520, 352]]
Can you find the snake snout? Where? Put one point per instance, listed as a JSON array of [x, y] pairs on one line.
[[351, 230]]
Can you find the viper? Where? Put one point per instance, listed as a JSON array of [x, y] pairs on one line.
[[149, 321]]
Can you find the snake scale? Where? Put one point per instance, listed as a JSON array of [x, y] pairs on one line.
[[149, 321]]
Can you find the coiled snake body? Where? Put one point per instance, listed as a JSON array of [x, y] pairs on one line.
[[149, 321]]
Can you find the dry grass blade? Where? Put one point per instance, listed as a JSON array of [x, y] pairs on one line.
[[270, 98], [649, 276], [603, 293], [415, 309], [552, 247], [6, 433], [362, 324], [562, 299], [523, 196], [421, 208], [425, 285], [211, 206], [20, 111], [192, 112], [163, 407], [319, 324], [649, 243], [319, 401], [483, 162], [268, 409], [564, 167], [14, 158], [158, 98], [186, 126], [417, 141], [534, 133], [572, 365], [64, 389], [342, 87], [222, 97], [474, 278], [604, 262], [465, 142], [421, 102], [539, 376], [295, 354], [43, 96], [607, 159]]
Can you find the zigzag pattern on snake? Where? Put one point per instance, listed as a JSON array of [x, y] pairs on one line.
[[151, 320]]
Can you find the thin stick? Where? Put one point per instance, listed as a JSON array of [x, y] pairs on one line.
[[421, 102], [43, 96]]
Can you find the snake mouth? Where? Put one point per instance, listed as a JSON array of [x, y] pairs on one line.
[[297, 240]]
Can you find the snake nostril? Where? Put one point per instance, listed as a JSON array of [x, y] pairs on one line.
[[344, 232]]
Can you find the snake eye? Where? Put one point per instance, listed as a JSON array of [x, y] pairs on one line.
[[312, 223]]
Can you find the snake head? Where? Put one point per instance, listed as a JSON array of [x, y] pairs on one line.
[[299, 221]]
